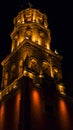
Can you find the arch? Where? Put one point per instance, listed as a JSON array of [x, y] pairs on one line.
[[33, 64], [13, 72], [46, 67]]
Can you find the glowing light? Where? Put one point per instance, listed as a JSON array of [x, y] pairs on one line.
[[63, 113], [35, 97], [2, 112], [60, 88], [12, 47], [18, 44], [19, 21], [48, 47], [56, 51], [41, 74], [22, 22], [14, 86], [0, 95], [45, 25], [37, 20], [56, 70], [31, 75], [27, 37], [36, 103], [22, 19], [34, 16], [51, 70], [39, 42], [17, 103], [25, 73], [33, 38]]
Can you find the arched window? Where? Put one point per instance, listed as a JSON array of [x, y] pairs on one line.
[[55, 72], [28, 17], [46, 67], [33, 65]]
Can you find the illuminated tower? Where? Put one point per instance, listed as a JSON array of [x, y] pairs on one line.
[[31, 60]]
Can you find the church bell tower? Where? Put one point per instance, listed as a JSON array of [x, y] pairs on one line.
[[31, 54], [31, 58]]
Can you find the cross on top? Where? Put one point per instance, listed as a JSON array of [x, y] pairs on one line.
[[30, 5]]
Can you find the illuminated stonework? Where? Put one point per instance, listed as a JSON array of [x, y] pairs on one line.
[[61, 89], [31, 25], [31, 54]]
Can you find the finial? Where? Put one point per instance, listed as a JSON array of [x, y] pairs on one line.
[[30, 5]]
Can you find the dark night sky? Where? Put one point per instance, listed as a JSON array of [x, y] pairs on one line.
[[60, 19]]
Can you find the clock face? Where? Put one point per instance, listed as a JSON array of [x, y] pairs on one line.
[[44, 37], [42, 34]]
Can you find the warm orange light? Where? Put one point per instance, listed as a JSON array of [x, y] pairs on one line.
[[2, 110], [12, 47], [63, 113], [39, 41], [36, 104], [63, 107], [51, 70], [36, 98], [41, 74], [31, 75], [60, 88], [56, 70], [25, 73], [16, 108], [48, 47], [34, 36], [22, 19], [0, 95], [14, 86], [34, 16], [2, 115]]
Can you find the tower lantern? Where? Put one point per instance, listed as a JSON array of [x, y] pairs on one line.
[[31, 24]]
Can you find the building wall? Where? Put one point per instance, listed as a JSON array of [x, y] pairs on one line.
[[58, 116], [36, 109], [9, 113]]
